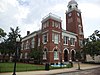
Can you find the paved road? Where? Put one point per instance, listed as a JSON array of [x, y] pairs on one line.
[[84, 72]]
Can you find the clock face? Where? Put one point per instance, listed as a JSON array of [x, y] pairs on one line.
[[69, 14], [78, 14]]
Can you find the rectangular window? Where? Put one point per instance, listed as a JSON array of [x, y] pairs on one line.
[[65, 40], [33, 42], [55, 55], [72, 41], [45, 55], [56, 39], [22, 45], [80, 43], [53, 23], [45, 38], [26, 55], [27, 45], [38, 41]]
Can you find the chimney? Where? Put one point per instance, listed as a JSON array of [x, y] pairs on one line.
[[28, 32]]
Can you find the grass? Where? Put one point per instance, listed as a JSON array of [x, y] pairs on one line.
[[8, 67]]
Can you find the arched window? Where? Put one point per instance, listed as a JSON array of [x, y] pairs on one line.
[[55, 54]]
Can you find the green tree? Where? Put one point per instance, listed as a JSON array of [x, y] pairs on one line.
[[37, 54], [91, 45], [2, 33], [12, 38]]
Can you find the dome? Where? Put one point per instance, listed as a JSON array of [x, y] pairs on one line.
[[72, 2]]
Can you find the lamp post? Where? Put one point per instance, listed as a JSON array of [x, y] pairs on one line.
[[78, 64], [16, 52]]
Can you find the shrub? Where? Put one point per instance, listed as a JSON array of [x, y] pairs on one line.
[[69, 65]]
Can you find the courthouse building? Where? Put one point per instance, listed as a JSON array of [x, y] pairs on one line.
[[57, 44]]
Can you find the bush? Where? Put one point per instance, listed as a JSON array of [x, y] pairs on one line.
[[69, 65]]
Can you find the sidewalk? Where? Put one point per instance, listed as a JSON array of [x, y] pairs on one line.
[[82, 66]]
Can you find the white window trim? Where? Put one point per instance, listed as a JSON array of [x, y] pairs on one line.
[[43, 38], [44, 58], [38, 41], [73, 43], [32, 42], [57, 56], [67, 40]]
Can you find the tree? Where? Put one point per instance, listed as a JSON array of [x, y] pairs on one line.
[[11, 41], [2, 33], [91, 45], [37, 54]]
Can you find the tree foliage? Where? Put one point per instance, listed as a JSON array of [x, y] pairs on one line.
[[9, 44], [91, 45], [12, 39], [37, 54], [2, 33]]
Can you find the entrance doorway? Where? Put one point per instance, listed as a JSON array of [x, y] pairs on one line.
[[65, 55]]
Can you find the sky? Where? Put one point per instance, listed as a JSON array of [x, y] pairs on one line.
[[28, 14]]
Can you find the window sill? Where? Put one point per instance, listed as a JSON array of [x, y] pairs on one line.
[[56, 58], [65, 44], [72, 45], [44, 58]]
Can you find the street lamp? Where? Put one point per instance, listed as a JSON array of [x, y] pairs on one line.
[[16, 52], [78, 64]]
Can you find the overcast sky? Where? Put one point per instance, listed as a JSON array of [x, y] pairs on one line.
[[27, 14]]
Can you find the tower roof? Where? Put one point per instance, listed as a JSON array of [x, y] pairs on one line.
[[51, 16], [72, 2]]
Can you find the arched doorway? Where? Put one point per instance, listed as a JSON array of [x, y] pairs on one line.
[[73, 55], [65, 55]]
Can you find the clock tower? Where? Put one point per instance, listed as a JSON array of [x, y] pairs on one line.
[[74, 21]]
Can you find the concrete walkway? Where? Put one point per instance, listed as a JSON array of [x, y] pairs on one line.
[[82, 66]]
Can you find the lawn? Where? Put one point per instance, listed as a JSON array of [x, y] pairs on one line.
[[8, 67]]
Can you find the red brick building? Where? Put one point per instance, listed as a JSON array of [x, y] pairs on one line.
[[57, 44]]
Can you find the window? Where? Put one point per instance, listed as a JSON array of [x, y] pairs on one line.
[[26, 55], [27, 45], [38, 41], [45, 54], [33, 42], [65, 40], [78, 20], [72, 41], [45, 38], [47, 23], [55, 55], [22, 45], [80, 43], [80, 29], [21, 56], [70, 7], [53, 23], [56, 25], [78, 14], [55, 38], [59, 25]]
